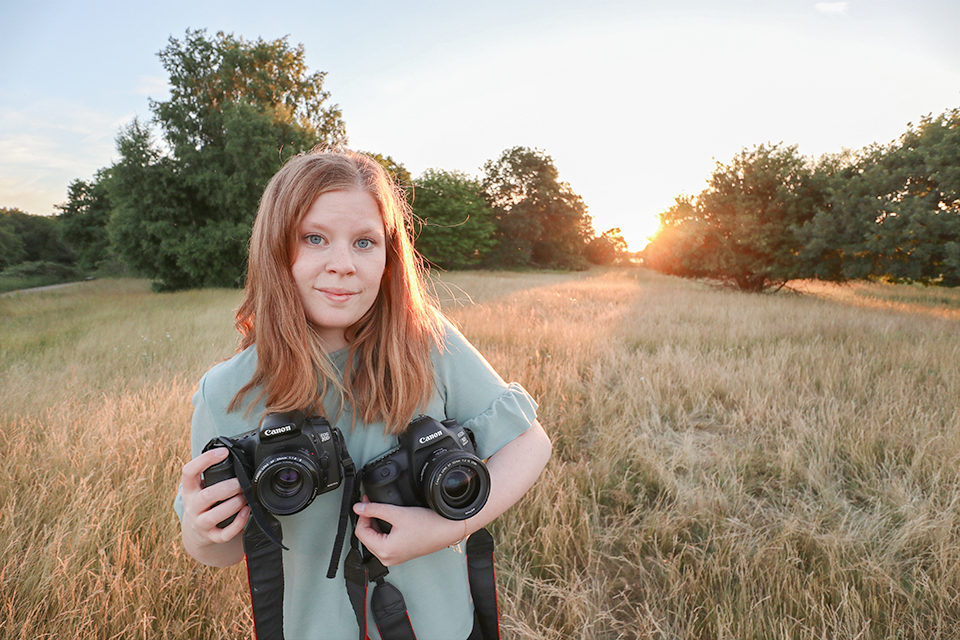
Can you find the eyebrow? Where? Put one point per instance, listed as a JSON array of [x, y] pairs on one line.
[[368, 230]]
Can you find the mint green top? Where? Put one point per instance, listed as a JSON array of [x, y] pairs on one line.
[[434, 587]]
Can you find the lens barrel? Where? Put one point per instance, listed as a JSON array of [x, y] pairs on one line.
[[286, 483], [455, 484]]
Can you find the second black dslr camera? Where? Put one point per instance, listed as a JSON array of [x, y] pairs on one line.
[[435, 466], [290, 458]]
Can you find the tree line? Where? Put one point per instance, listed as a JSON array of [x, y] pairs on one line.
[[886, 212], [178, 205]]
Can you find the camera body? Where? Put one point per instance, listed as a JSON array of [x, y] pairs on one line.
[[434, 465], [291, 458]]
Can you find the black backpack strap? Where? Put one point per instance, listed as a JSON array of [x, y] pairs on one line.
[[265, 574], [483, 583]]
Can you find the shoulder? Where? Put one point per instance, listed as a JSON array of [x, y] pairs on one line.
[[453, 344], [222, 382]]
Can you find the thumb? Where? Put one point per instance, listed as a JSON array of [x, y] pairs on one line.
[[369, 509]]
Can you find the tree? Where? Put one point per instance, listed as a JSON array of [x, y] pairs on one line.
[[83, 220], [238, 109], [607, 248], [838, 240], [891, 211], [685, 244], [30, 238], [12, 250], [457, 227], [742, 229], [540, 221], [919, 239]]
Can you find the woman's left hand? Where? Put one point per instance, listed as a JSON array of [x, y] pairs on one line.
[[415, 532], [418, 531]]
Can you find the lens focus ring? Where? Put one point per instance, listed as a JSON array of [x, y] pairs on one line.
[[286, 483], [456, 485]]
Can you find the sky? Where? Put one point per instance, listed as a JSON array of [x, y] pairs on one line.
[[635, 101]]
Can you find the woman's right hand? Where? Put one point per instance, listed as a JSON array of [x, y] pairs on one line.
[[202, 538]]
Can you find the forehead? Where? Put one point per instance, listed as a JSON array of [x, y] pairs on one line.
[[344, 209]]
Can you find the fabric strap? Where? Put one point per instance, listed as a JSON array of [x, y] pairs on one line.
[[265, 574], [483, 583], [263, 545]]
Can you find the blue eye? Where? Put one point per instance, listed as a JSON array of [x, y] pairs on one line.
[[314, 239], [365, 243]]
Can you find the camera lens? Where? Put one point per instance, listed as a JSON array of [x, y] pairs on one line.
[[456, 484], [460, 486], [286, 483]]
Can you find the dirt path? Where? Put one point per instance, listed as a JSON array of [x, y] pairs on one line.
[[45, 288]]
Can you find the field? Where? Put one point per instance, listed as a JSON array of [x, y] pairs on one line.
[[726, 466]]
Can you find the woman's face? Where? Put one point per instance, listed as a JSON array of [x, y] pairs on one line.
[[339, 262]]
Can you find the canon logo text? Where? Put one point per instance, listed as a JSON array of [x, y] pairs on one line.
[[432, 436]]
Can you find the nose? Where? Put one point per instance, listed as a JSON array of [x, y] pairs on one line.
[[340, 260]]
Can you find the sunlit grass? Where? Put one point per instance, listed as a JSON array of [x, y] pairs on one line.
[[726, 466]]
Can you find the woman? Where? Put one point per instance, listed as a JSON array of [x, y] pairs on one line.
[[336, 322]]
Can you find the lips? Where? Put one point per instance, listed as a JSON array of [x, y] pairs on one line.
[[337, 295]]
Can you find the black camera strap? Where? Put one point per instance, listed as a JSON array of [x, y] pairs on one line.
[[246, 486], [387, 604], [263, 546], [350, 488], [265, 575]]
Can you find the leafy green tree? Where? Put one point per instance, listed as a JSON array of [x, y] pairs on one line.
[[12, 250], [607, 248], [30, 238], [457, 227], [742, 229], [839, 240], [237, 110], [919, 239], [540, 221], [685, 245], [892, 211], [158, 226], [83, 220]]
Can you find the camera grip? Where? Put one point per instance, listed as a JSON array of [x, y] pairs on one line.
[[215, 473]]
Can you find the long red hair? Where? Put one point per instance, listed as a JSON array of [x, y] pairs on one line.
[[389, 372]]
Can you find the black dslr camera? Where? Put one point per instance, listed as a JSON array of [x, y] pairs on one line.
[[436, 466], [291, 459]]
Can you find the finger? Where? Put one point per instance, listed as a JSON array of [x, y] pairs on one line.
[[190, 478], [377, 510], [368, 534], [235, 527], [232, 507], [222, 491]]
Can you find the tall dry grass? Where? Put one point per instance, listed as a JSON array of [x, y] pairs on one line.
[[726, 466]]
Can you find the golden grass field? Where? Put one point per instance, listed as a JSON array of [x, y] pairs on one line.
[[726, 466]]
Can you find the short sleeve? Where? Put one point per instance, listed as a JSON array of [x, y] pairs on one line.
[[202, 430], [212, 398], [477, 397]]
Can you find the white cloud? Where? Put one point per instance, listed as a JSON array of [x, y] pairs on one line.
[[831, 7], [154, 87]]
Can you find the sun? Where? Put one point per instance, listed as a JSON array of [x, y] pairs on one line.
[[637, 230]]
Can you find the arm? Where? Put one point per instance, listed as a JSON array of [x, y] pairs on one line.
[[202, 539], [418, 531]]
